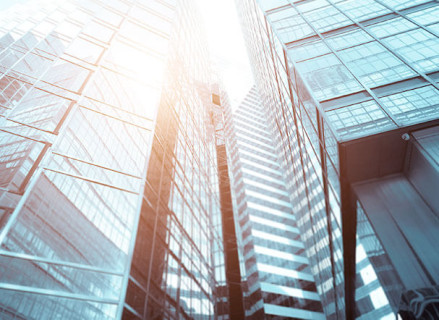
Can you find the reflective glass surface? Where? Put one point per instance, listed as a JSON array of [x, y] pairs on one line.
[[278, 279], [331, 72], [106, 153]]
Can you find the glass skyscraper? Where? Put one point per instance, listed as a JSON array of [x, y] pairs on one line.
[[278, 280], [115, 197], [352, 87], [109, 202]]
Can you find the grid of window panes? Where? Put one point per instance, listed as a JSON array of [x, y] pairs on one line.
[[279, 279], [360, 49], [306, 192], [179, 231], [300, 74], [80, 85]]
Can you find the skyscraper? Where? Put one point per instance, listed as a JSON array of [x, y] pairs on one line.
[[352, 86], [278, 279], [109, 189], [234, 292]]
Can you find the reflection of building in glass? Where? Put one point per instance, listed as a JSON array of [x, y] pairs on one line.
[[109, 201], [352, 88], [279, 282]]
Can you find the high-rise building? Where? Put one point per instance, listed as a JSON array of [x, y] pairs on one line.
[[276, 273], [109, 203], [352, 86], [234, 293]]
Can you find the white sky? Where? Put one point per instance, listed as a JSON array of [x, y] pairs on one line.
[[227, 46]]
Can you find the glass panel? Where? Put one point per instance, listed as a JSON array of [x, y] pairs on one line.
[[11, 91], [108, 16], [289, 26], [402, 4], [413, 106], [69, 219], [419, 47], [348, 39], [271, 4], [137, 62], [327, 77], [105, 141], [359, 120], [98, 31], [325, 18], [374, 65], [85, 50], [21, 305], [86, 170], [30, 65], [124, 92], [307, 51], [391, 27], [145, 37], [66, 75], [39, 275], [40, 109], [17, 156], [67, 29], [425, 16], [149, 18], [52, 44], [362, 10]]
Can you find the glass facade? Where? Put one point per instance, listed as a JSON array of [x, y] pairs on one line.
[[233, 294], [278, 279], [109, 202], [344, 81]]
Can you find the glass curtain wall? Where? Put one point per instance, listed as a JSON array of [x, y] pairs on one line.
[[331, 72], [178, 257], [279, 280], [84, 158]]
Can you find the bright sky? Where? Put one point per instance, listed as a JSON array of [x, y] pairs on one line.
[[227, 46]]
